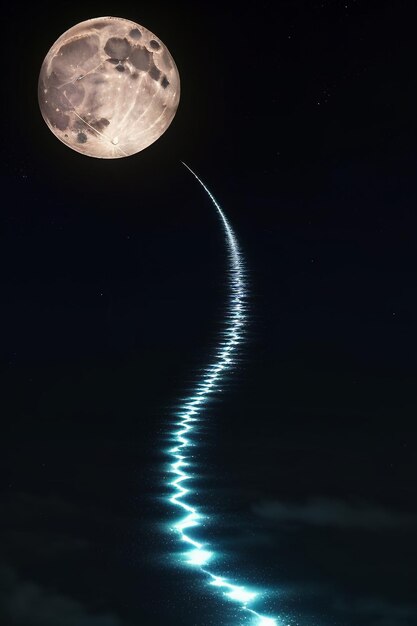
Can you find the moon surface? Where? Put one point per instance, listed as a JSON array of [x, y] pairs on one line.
[[108, 88]]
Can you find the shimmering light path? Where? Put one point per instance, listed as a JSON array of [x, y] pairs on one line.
[[198, 553]]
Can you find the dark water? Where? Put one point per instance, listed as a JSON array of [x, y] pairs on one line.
[[306, 483]]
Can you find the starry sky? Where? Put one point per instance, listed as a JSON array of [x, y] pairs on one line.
[[300, 116]]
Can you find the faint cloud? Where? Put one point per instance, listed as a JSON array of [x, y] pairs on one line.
[[27, 539], [335, 513], [24, 603], [379, 611]]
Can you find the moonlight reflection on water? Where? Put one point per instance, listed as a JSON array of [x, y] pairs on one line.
[[190, 414]]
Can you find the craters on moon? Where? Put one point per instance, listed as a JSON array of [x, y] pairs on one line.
[[117, 48], [108, 88], [100, 124], [124, 55]]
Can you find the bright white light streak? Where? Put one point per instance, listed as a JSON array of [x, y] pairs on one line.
[[231, 338], [266, 621]]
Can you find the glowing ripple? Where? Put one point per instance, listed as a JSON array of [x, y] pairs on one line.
[[198, 554]]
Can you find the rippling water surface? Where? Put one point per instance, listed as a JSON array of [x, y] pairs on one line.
[[184, 464]]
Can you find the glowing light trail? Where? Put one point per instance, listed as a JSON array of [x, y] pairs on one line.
[[199, 554]]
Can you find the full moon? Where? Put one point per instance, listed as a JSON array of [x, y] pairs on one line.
[[108, 88]]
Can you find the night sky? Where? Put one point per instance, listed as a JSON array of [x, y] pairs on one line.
[[301, 118]]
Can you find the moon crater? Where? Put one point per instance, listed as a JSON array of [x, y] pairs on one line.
[[104, 94]]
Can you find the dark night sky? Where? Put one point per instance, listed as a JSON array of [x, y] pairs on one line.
[[301, 118]]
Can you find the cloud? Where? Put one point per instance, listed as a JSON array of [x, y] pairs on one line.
[[379, 611], [335, 513], [25, 603], [45, 530]]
